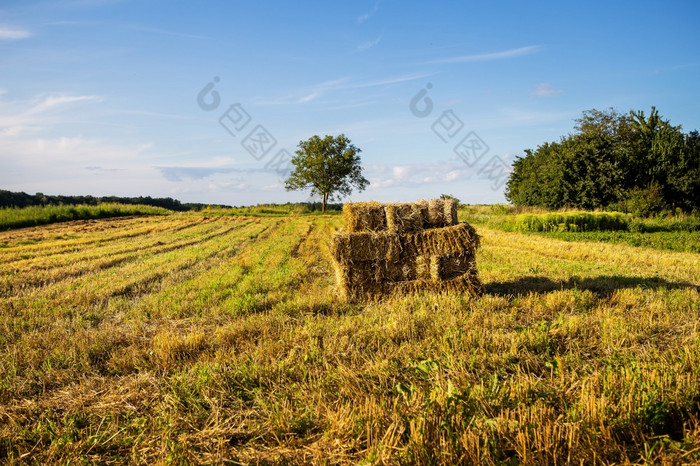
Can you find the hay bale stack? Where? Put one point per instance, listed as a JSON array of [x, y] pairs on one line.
[[402, 248]]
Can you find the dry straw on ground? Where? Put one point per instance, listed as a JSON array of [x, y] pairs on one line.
[[391, 249]]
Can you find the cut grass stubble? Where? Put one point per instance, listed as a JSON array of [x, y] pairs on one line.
[[237, 348]]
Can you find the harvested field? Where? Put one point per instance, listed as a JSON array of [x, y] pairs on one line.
[[191, 340]]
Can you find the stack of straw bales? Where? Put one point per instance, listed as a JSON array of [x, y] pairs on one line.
[[389, 249]]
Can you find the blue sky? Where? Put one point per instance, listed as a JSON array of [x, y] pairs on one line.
[[101, 96]]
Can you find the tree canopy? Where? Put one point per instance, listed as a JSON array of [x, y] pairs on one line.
[[330, 167], [612, 159]]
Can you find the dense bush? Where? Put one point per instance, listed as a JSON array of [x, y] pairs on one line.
[[646, 201], [637, 163]]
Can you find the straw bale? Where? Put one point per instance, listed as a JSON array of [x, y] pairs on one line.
[[401, 269], [454, 266], [365, 246], [424, 206], [364, 216], [456, 239], [402, 218], [436, 213], [435, 268], [423, 267], [360, 281], [450, 212], [467, 283]]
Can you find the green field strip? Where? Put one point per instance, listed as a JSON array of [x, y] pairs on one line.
[[77, 241], [21, 280], [68, 230], [64, 306], [133, 278], [202, 293], [262, 276], [104, 250]]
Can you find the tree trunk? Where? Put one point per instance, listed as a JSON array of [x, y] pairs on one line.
[[325, 199]]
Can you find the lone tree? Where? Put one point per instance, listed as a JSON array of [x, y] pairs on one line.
[[329, 166]]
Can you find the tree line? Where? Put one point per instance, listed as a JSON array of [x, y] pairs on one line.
[[630, 162], [10, 199], [21, 199]]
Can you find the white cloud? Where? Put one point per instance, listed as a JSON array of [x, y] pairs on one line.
[[368, 15], [54, 101], [9, 33], [420, 174], [21, 117], [368, 44], [228, 186], [452, 175], [310, 97], [502, 55], [273, 187], [67, 152], [546, 90]]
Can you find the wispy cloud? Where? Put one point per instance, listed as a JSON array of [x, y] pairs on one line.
[[368, 15], [502, 55], [193, 173], [50, 102], [17, 117], [368, 45], [68, 153], [418, 174], [384, 82], [96, 168], [546, 90], [10, 33], [311, 93], [200, 172]]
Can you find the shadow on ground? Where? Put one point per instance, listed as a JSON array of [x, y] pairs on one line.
[[602, 285]]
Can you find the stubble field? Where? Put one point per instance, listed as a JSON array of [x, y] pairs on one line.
[[187, 339]]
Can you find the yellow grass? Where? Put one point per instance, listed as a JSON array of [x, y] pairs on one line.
[[182, 339]]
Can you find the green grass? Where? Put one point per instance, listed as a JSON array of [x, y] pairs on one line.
[[41, 215], [674, 232], [572, 221], [204, 339]]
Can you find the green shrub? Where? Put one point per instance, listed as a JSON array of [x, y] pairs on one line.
[[572, 221], [637, 226], [645, 202]]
